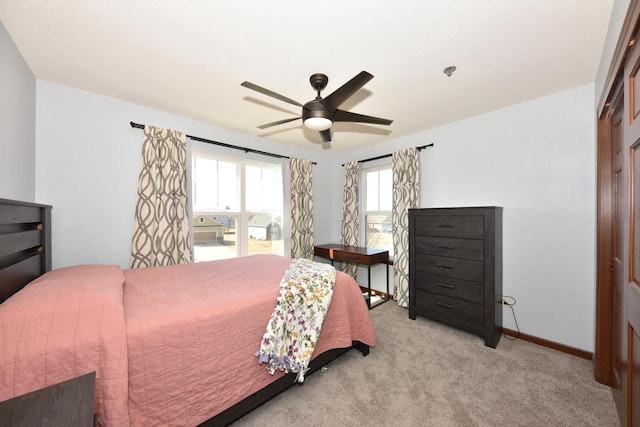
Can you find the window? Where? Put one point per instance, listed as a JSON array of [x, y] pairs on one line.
[[377, 206], [237, 208]]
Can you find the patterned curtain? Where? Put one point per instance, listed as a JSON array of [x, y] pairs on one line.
[[406, 180], [301, 209], [161, 226], [349, 230]]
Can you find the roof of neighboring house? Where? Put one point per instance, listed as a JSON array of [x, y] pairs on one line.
[[263, 221], [378, 219], [208, 221]]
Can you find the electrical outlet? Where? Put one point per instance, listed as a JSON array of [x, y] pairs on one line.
[[507, 300]]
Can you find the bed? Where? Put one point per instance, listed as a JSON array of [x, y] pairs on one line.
[[170, 345]]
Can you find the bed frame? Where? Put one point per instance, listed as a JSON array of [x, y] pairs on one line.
[[25, 254], [25, 244]]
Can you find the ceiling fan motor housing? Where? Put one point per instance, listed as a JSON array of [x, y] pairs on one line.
[[315, 108]]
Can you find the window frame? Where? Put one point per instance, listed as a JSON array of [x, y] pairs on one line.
[[364, 212], [242, 214]]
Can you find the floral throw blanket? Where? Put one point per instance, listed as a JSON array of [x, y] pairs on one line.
[[294, 327]]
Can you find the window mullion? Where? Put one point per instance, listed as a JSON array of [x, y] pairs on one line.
[[377, 175], [242, 235]]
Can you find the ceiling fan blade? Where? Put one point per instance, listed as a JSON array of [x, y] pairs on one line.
[[346, 116], [279, 122], [326, 135], [269, 93], [333, 101]]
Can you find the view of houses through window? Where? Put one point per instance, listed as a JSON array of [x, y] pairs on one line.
[[378, 194], [237, 208]]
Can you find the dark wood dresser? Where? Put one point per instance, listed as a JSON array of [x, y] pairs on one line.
[[455, 268]]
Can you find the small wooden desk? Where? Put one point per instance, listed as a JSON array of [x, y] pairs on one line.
[[68, 404], [358, 255]]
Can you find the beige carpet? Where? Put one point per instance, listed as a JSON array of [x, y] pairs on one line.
[[422, 373]]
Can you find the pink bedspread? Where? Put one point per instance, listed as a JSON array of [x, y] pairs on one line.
[[193, 331], [68, 323], [188, 349]]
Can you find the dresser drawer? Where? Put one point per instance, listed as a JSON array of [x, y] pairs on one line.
[[451, 287], [450, 225], [429, 303], [450, 247], [450, 267]]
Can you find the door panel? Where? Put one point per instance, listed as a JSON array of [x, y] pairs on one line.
[[609, 123], [633, 409], [617, 350], [618, 262], [634, 232], [628, 369], [633, 374], [634, 92], [633, 291]]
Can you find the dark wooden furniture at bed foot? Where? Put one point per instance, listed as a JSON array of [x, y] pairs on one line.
[[250, 403], [455, 268], [66, 404]]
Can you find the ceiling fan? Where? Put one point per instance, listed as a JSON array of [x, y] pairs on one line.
[[319, 114]]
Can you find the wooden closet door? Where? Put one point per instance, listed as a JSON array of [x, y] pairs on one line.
[[631, 248], [618, 262]]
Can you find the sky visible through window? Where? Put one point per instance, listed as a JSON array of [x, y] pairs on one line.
[[379, 190], [215, 185]]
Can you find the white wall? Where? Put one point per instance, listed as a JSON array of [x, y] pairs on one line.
[[618, 14], [88, 162], [537, 160], [17, 123]]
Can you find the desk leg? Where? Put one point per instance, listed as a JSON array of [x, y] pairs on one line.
[[388, 296], [369, 284]]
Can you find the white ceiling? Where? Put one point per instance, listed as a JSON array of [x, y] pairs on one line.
[[189, 57]]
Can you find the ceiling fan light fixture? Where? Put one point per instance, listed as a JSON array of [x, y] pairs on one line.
[[318, 123]]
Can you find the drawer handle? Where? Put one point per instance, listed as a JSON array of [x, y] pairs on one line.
[[445, 265], [446, 225], [446, 247], [445, 305], [351, 257], [444, 285]]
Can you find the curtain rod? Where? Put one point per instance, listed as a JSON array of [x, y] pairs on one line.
[[384, 156], [223, 144]]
